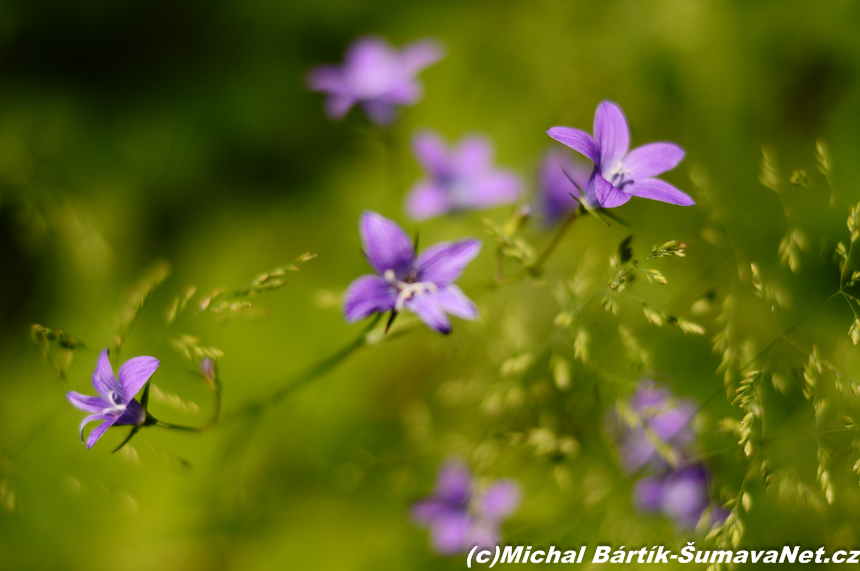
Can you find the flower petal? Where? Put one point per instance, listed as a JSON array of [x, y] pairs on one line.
[[418, 55], [98, 432], [104, 380], [474, 154], [88, 403], [431, 152], [337, 106], [454, 483], [134, 373], [579, 141], [326, 78], [555, 188], [483, 534], [648, 493], [454, 302], [443, 263], [500, 500], [366, 295], [427, 200], [685, 495], [610, 134], [430, 311], [493, 189], [652, 159], [432, 509], [386, 245], [449, 534], [607, 195], [109, 419], [656, 189]]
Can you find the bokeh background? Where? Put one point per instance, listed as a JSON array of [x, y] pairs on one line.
[[136, 132]]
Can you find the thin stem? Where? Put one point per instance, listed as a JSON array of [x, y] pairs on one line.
[[297, 381], [556, 240]]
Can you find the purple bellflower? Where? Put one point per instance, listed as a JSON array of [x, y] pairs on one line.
[[554, 186], [681, 495], [116, 403], [666, 418], [619, 174], [461, 178], [375, 76], [424, 284], [459, 519]]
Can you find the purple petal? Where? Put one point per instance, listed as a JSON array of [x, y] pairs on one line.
[[555, 188], [483, 533], [656, 189], [88, 403], [431, 152], [419, 55], [473, 154], [607, 195], [449, 534], [427, 200], [371, 68], [652, 159], [109, 420], [637, 451], [673, 424], [610, 134], [405, 93], [454, 483], [134, 373], [326, 78], [648, 493], [443, 263], [337, 106], [500, 500], [493, 189], [579, 141], [367, 295], [103, 378], [98, 431], [685, 495], [386, 245], [454, 302], [430, 510], [133, 414]]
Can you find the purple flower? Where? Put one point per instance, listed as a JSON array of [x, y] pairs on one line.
[[462, 178], [680, 494], [375, 76], [554, 186], [666, 418], [457, 518], [117, 404], [617, 174], [424, 284]]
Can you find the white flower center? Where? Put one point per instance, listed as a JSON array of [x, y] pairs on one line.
[[116, 400], [619, 176], [408, 289]]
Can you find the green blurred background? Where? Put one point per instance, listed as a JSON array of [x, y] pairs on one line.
[[132, 132]]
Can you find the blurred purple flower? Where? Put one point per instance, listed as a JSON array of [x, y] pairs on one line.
[[458, 520], [424, 284], [617, 174], [375, 76], [117, 404], [680, 494], [462, 178], [554, 186], [667, 418]]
